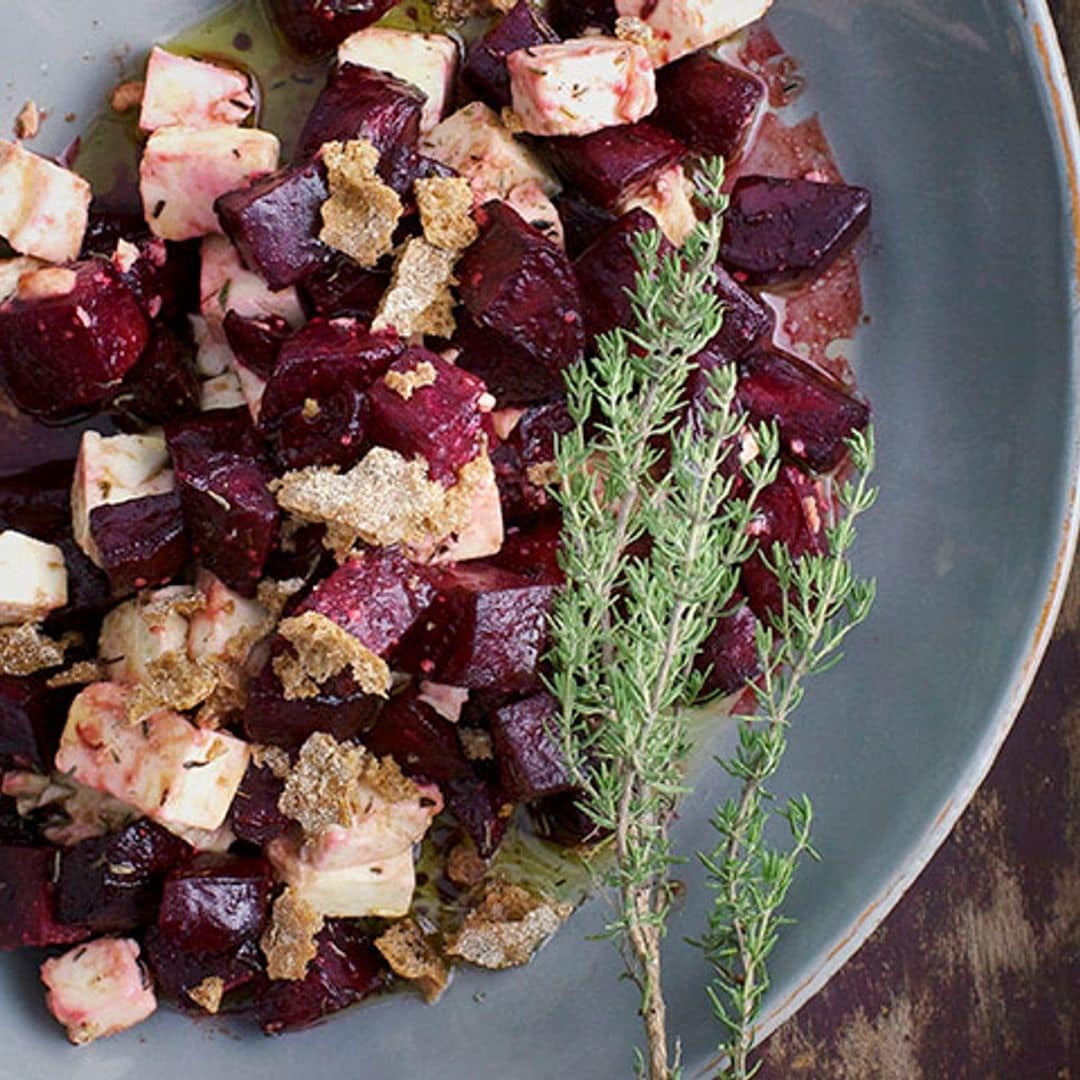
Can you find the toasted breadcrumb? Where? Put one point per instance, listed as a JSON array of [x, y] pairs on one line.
[[546, 472], [636, 31], [411, 955], [274, 595], [445, 205], [476, 743], [81, 673], [418, 299], [511, 121], [464, 865], [28, 122], [323, 650], [460, 10], [208, 994], [127, 96], [172, 681], [273, 758], [323, 787], [362, 212], [506, 927], [24, 649], [406, 383], [288, 943]]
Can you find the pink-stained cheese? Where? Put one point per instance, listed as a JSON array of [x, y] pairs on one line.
[[180, 90]]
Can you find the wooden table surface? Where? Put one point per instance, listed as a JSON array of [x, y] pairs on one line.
[[976, 974]]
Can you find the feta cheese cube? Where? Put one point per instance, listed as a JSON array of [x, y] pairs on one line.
[[581, 85], [114, 469], [12, 271], [227, 626], [538, 210], [139, 631], [33, 578], [221, 392], [483, 533], [98, 989], [164, 766], [225, 285], [184, 170], [181, 90], [43, 207], [684, 26], [428, 61], [475, 142], [447, 701], [669, 198]]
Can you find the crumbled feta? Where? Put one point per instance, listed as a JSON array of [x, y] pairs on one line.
[[446, 700], [181, 90], [43, 207], [579, 86], [530, 201], [475, 143], [12, 271], [184, 170], [428, 61], [114, 469], [669, 198], [47, 283], [225, 285], [684, 26], [141, 631], [98, 989], [227, 625], [223, 391], [33, 578]]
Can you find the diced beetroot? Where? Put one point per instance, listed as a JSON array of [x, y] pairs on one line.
[[747, 319], [729, 656], [710, 105], [220, 431], [778, 231], [89, 592], [256, 341], [606, 269], [441, 422], [790, 512], [482, 810], [29, 728], [14, 828], [317, 27], [275, 223], [559, 818], [340, 285], [38, 502], [215, 902], [330, 363], [299, 554], [361, 103], [255, 816], [112, 883], [529, 447], [572, 17], [582, 222], [27, 901], [615, 161], [532, 551], [515, 282], [340, 708], [346, 969], [61, 352], [177, 970], [509, 371], [162, 386], [531, 762], [814, 413], [141, 541], [485, 63]]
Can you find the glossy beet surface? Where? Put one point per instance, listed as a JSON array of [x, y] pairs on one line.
[[729, 657], [531, 763], [317, 27], [29, 728], [531, 550], [339, 285], [27, 901], [582, 222], [525, 458], [572, 17], [162, 386], [510, 372], [256, 341], [748, 319], [482, 809], [778, 230], [485, 62], [178, 970], [254, 815], [142, 541]]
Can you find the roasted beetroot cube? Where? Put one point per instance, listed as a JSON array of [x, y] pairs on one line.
[[814, 413], [339, 285], [38, 501], [615, 161], [485, 63], [582, 222], [791, 511], [315, 406], [729, 657], [142, 541], [517, 283], [275, 223], [560, 818], [361, 103], [346, 969], [29, 728], [605, 272], [481, 809], [112, 883], [162, 386], [531, 550], [317, 27], [747, 319], [215, 902], [89, 593], [220, 431], [572, 17], [509, 371], [531, 762], [254, 815], [525, 455], [27, 901], [299, 554], [710, 105], [256, 340], [340, 708], [177, 970], [778, 230], [440, 421], [65, 350]]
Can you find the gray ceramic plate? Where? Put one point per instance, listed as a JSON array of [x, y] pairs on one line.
[[957, 114]]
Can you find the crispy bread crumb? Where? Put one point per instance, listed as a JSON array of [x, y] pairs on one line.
[[445, 205], [511, 121], [464, 865], [208, 993], [406, 383], [24, 649], [460, 10], [288, 943], [323, 650], [81, 673], [323, 787], [476, 743], [411, 955], [273, 758], [173, 681], [126, 96], [419, 300], [547, 472], [28, 122], [362, 212]]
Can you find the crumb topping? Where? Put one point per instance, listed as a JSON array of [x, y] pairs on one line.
[[445, 205], [406, 383], [419, 300], [273, 758], [476, 743], [322, 650], [172, 681], [634, 30], [464, 865], [543, 474], [362, 212], [460, 10], [28, 122], [208, 994], [288, 943], [24, 649], [511, 121], [81, 673], [411, 955], [127, 96], [323, 787]]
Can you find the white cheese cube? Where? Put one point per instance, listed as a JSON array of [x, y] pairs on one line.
[[184, 170], [98, 989], [139, 631], [383, 889], [476, 143], [114, 469], [530, 201], [428, 61], [164, 766], [581, 85], [669, 199], [227, 626], [446, 700], [181, 90], [33, 578], [12, 270], [43, 207], [684, 26], [221, 392], [225, 285], [483, 533]]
